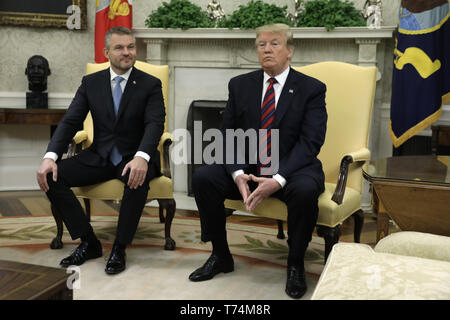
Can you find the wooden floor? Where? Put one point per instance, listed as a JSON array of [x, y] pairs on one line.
[[35, 203]]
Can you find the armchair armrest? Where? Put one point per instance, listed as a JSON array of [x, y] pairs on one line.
[[360, 155], [164, 139], [356, 156], [164, 144], [79, 137]]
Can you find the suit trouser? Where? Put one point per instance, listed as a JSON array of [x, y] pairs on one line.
[[212, 185], [74, 173]]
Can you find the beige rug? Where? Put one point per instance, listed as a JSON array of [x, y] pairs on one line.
[[154, 273]]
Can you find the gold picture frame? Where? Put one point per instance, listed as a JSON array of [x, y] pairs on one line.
[[23, 17]]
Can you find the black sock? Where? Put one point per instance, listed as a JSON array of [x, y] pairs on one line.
[[220, 248], [120, 245]]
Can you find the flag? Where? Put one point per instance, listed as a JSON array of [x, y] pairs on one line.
[[109, 14], [421, 71]]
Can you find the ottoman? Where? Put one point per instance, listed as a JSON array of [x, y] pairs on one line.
[[403, 266]]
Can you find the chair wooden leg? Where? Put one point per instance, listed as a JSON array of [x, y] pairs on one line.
[[170, 206], [87, 205], [358, 217], [57, 242], [280, 234], [162, 219], [331, 236]]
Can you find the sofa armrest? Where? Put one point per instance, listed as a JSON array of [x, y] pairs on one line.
[[416, 244], [351, 157]]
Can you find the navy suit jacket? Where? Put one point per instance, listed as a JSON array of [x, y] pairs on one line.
[[138, 125], [300, 117]]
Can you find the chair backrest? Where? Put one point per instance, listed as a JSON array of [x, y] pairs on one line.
[[349, 100], [159, 71]]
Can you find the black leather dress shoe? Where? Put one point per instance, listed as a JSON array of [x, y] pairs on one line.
[[83, 252], [296, 282], [116, 261], [212, 266]]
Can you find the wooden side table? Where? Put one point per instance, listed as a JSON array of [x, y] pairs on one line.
[[21, 281], [413, 191], [49, 117]]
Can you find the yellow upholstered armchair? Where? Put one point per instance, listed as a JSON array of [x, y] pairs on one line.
[[161, 188], [349, 99]]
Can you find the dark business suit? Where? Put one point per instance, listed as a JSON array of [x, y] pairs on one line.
[[301, 119], [137, 127]]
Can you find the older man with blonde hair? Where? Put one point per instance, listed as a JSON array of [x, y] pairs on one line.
[[276, 97]]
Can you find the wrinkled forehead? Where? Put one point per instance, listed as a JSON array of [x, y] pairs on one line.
[[122, 39]]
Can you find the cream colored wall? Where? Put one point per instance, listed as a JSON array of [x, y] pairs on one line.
[[67, 52]]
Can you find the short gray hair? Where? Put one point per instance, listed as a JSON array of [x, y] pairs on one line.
[[277, 28], [116, 30]]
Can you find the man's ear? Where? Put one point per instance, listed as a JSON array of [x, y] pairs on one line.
[[105, 52], [291, 52]]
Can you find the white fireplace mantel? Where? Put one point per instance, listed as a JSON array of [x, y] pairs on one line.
[[299, 33], [158, 43]]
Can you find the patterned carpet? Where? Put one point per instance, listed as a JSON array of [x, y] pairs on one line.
[[34, 203], [27, 227], [153, 273]]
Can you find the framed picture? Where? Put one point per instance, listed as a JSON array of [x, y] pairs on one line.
[[43, 13]]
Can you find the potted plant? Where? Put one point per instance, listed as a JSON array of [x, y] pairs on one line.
[[329, 14], [179, 14], [254, 14], [185, 15]]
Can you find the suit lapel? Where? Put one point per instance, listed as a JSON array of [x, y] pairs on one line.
[[108, 93], [255, 108], [285, 99], [127, 93]]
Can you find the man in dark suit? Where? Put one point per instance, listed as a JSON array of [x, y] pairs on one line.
[[128, 113], [276, 97]]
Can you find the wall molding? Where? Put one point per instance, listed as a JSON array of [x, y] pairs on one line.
[[299, 33], [10, 99]]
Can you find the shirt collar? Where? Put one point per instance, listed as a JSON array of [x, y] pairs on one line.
[[281, 78], [126, 75]]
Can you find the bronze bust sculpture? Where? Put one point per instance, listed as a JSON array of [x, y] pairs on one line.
[[37, 71]]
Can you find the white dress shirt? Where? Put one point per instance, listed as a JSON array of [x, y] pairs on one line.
[[277, 87], [125, 76]]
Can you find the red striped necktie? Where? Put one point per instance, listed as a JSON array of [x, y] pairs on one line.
[[267, 117]]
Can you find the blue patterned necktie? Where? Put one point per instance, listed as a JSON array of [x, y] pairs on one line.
[[115, 156]]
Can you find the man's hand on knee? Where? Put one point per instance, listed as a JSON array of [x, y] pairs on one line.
[[138, 171], [47, 166], [266, 187]]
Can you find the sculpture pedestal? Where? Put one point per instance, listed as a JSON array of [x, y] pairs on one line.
[[37, 100]]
